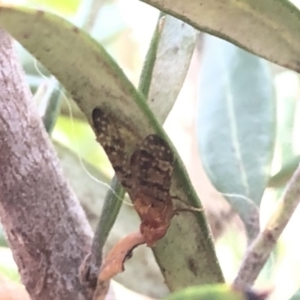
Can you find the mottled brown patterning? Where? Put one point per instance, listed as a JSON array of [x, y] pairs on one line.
[[152, 168], [109, 137], [146, 176]]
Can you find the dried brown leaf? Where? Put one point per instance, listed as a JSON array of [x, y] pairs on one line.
[[114, 262]]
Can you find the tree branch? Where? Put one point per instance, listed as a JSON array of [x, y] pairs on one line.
[[45, 225]]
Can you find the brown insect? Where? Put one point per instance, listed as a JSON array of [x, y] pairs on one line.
[[152, 168], [108, 136], [146, 176]]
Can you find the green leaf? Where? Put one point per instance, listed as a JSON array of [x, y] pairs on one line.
[[236, 126], [173, 57], [186, 254], [267, 28], [110, 211]]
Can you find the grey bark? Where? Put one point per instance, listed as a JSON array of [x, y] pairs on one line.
[[44, 222]]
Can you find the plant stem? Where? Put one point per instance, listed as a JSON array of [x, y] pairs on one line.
[[263, 245], [110, 211]]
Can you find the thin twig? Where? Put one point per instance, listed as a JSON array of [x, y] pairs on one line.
[[263, 245]]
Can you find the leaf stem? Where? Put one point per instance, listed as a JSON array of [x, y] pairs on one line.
[[112, 205]]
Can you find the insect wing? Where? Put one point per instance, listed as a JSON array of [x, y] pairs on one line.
[[109, 137]]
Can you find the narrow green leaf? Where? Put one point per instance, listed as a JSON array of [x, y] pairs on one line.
[[236, 126], [114, 197], [112, 205], [186, 254], [173, 57], [267, 28], [151, 58], [166, 64]]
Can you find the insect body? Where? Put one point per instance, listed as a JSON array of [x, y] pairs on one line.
[[146, 175], [152, 168]]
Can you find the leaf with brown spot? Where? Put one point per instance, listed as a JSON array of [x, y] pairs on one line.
[[152, 166], [147, 178]]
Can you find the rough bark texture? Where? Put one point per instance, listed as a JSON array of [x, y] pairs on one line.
[[45, 225]]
